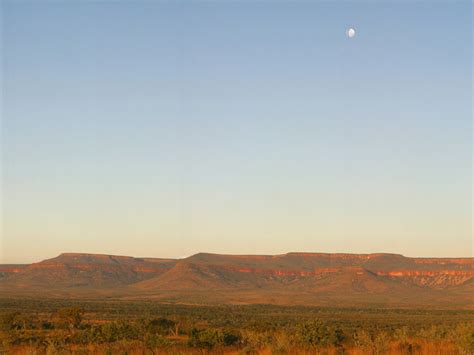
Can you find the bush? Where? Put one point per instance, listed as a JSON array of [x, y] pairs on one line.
[[54, 345], [433, 333], [8, 321], [115, 331], [156, 341], [313, 334], [203, 338], [281, 343], [90, 335], [15, 321], [160, 326], [401, 334], [372, 343], [381, 343], [210, 338], [337, 337], [254, 341], [229, 338], [70, 317], [463, 337]]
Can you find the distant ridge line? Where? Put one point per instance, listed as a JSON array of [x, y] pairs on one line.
[[303, 278], [295, 253]]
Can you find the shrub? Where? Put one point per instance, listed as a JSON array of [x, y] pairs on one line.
[[337, 337], [313, 334], [115, 331], [401, 334], [54, 345], [281, 343], [210, 338], [203, 338], [156, 341], [372, 343], [381, 343], [160, 326], [70, 317], [8, 320], [363, 340], [254, 341], [229, 338], [433, 333], [15, 321], [463, 337]]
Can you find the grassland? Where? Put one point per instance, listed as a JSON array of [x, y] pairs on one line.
[[46, 326]]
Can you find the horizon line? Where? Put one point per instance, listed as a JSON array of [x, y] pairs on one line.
[[301, 253]]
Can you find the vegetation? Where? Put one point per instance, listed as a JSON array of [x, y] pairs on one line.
[[112, 327]]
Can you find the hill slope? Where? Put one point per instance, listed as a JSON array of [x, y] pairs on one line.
[[293, 278]]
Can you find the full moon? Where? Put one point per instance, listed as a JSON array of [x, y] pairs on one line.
[[351, 32]]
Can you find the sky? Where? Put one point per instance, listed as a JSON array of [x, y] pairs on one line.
[[164, 129]]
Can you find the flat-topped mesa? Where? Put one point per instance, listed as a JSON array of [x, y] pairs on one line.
[[430, 273], [342, 255], [445, 261], [96, 256], [215, 256], [430, 278], [87, 257], [252, 257], [286, 272], [104, 267], [90, 254], [302, 271], [87, 270], [7, 269], [270, 272], [101, 259], [47, 265]]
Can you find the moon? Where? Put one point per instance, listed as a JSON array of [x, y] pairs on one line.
[[351, 32]]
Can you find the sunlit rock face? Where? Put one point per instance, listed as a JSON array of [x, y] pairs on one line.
[[6, 270], [297, 278], [433, 278]]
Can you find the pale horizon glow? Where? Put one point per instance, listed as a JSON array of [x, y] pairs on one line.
[[165, 129]]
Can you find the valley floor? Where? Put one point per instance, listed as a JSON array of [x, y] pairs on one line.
[[55, 326]]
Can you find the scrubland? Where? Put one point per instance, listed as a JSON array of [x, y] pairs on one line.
[[145, 327]]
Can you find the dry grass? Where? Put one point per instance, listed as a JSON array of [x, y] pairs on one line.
[[419, 347]]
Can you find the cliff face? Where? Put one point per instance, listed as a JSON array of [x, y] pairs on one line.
[[426, 272], [431, 278], [6, 270], [309, 277]]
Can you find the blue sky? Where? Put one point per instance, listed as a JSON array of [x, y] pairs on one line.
[[169, 128]]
